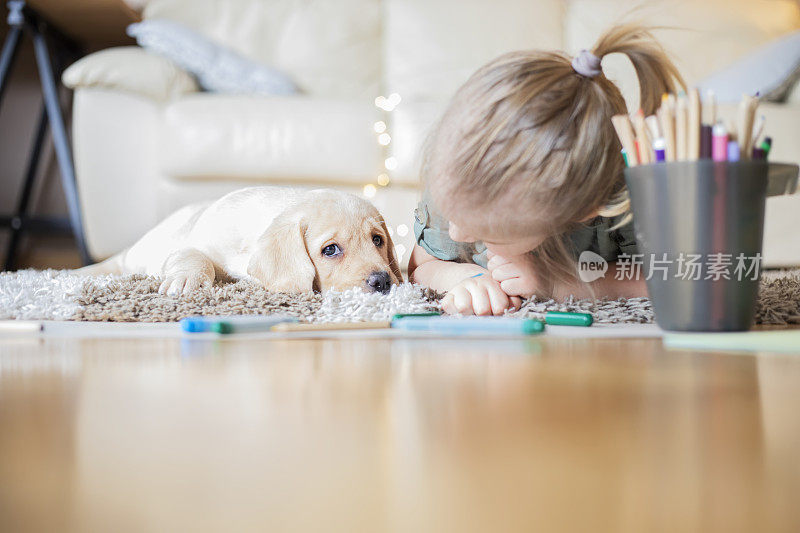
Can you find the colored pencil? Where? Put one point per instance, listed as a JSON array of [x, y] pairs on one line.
[[645, 145], [711, 105], [677, 131], [758, 129], [681, 128], [329, 326], [667, 120], [746, 114], [21, 326], [624, 129], [693, 126]]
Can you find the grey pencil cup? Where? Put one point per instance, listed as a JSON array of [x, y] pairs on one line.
[[699, 227]]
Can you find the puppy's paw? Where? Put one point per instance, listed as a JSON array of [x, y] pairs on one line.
[[186, 270], [184, 283]]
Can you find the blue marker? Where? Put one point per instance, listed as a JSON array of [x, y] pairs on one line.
[[232, 324], [471, 325], [733, 151], [660, 147]]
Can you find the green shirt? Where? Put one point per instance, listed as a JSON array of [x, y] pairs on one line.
[[432, 234]]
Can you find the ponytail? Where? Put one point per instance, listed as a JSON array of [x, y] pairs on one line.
[[657, 75], [656, 72]]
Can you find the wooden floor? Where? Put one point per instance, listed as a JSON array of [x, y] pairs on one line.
[[402, 435]]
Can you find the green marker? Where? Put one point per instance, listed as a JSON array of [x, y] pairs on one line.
[[555, 318], [406, 315], [766, 145]]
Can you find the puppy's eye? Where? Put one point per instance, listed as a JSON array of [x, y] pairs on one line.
[[331, 250], [377, 240]]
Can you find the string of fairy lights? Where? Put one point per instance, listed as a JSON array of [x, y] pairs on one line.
[[386, 104]]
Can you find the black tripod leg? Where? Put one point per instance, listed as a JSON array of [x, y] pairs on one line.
[[27, 189], [8, 55], [60, 140]]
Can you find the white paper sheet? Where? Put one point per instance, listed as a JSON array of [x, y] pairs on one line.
[[173, 330]]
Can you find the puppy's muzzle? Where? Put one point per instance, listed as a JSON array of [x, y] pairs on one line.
[[379, 282]]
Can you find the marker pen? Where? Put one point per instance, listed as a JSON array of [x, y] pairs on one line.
[[659, 147], [705, 141], [766, 146], [654, 127], [471, 325], [733, 151], [563, 318], [719, 142], [232, 324], [406, 315]]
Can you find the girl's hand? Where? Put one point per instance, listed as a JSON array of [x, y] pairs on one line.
[[516, 276], [479, 295]]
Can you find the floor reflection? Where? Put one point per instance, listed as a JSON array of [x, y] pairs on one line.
[[275, 430]]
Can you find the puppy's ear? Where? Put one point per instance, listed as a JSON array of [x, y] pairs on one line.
[[393, 264], [280, 260]]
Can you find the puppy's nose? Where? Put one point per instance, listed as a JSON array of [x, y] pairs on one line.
[[379, 282]]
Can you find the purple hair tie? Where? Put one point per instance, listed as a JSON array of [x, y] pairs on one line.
[[586, 64]]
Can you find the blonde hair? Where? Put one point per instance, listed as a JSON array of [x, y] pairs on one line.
[[527, 123]]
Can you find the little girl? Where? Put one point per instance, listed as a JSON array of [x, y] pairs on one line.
[[524, 172]]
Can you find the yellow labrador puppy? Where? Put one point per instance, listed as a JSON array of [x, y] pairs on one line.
[[289, 240]]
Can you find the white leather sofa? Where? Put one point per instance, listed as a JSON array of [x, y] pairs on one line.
[[147, 141]]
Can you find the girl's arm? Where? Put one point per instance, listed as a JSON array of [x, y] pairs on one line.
[[518, 277], [439, 275], [470, 288]]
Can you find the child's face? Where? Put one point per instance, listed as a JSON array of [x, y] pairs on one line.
[[505, 229], [504, 245]]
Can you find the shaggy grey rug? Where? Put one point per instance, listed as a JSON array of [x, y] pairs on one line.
[[59, 295]]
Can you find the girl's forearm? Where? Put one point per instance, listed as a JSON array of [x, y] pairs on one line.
[[444, 275]]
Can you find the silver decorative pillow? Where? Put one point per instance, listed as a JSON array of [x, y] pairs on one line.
[[217, 69], [771, 70]]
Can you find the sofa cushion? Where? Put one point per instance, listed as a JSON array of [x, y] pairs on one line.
[[701, 37], [432, 47], [328, 48], [292, 137]]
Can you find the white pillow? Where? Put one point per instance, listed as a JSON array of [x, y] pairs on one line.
[[772, 70], [218, 69]]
